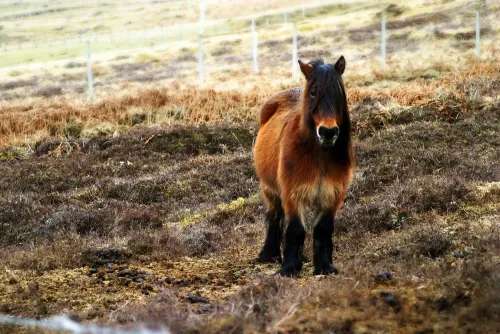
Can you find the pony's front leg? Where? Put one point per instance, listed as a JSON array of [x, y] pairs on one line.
[[323, 244], [295, 235], [271, 252]]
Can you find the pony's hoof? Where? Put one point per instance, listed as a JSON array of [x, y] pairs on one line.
[[266, 258], [326, 270], [288, 271]]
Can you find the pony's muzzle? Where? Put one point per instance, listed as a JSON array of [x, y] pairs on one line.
[[327, 136]]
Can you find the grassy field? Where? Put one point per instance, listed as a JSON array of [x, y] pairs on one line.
[[144, 207]]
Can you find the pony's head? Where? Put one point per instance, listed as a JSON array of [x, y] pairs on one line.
[[324, 100]]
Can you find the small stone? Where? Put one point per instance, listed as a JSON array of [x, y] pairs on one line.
[[138, 280], [204, 309], [463, 255], [390, 299], [196, 299], [221, 282], [385, 293], [92, 271], [183, 282], [383, 277]]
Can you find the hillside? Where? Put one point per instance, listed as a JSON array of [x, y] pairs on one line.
[[143, 207]]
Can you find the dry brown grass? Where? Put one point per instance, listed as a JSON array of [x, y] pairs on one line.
[[192, 106]]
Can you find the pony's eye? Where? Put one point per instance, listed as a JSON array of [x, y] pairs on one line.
[[312, 93]]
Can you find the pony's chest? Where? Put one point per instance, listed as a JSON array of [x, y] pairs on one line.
[[320, 194]]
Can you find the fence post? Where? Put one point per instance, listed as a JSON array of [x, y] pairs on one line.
[[303, 11], [478, 33], [5, 42], [89, 74], [200, 59], [294, 53], [382, 46], [286, 17], [202, 17], [255, 48]]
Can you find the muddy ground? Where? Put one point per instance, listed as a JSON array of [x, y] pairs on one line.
[[161, 226]]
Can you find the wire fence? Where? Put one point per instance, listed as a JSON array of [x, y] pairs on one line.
[[198, 34], [162, 34], [65, 324]]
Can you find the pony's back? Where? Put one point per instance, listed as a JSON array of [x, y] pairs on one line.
[[284, 101]]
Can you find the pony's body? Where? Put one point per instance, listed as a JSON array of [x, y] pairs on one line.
[[296, 169], [297, 173]]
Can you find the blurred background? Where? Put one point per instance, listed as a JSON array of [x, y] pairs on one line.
[[151, 43]]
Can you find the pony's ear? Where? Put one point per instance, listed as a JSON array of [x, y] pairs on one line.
[[305, 68], [340, 65]]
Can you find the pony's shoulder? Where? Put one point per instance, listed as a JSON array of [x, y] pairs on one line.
[[282, 101]]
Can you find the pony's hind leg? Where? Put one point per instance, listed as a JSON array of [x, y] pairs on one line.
[[271, 252], [323, 244]]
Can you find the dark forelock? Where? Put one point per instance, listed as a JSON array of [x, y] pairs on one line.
[[329, 84]]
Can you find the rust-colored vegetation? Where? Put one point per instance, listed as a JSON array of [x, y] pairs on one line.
[[188, 105]]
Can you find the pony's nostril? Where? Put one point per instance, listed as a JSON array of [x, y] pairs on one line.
[[336, 131], [328, 133]]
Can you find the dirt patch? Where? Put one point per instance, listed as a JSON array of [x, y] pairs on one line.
[[17, 84], [223, 50], [419, 20]]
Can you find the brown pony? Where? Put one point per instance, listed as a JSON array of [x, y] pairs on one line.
[[304, 160]]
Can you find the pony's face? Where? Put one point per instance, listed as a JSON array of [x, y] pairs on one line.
[[324, 99]]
